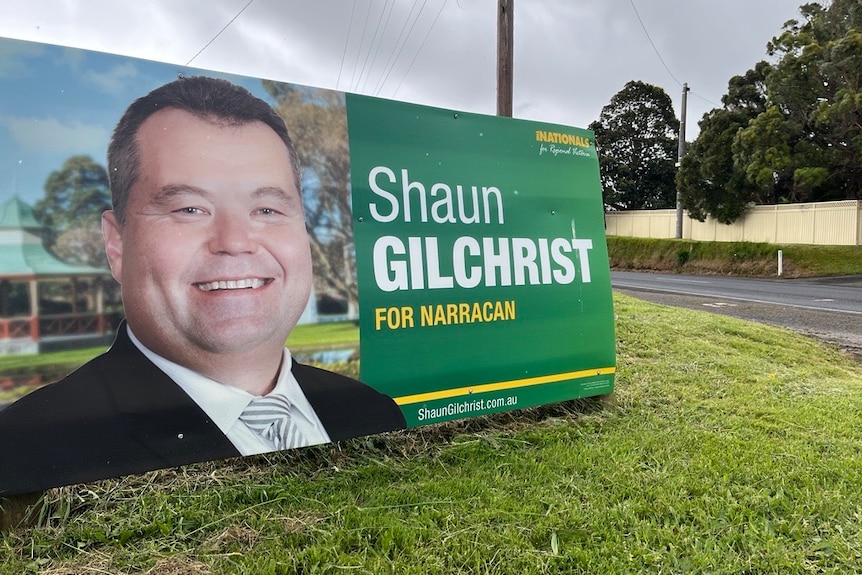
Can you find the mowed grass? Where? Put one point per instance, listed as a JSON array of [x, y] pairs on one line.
[[319, 335], [728, 447], [304, 338], [324, 335]]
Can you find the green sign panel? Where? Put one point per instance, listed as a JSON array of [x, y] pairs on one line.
[[481, 260]]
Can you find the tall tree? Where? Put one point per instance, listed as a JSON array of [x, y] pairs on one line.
[[82, 245], [75, 197], [317, 121], [636, 137], [709, 182], [807, 144], [790, 131]]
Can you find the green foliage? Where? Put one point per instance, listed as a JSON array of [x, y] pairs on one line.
[[734, 258], [82, 244], [636, 137], [801, 140], [317, 120], [76, 192], [727, 448], [75, 197], [708, 181]]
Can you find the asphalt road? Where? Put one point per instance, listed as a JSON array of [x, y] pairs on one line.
[[829, 309]]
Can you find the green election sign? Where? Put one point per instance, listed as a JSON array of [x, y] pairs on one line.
[[481, 260]]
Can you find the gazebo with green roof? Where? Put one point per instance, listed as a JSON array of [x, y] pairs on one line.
[[46, 303]]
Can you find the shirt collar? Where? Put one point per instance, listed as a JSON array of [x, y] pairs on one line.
[[221, 402]]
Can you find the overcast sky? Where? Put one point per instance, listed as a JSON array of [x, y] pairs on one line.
[[571, 56]]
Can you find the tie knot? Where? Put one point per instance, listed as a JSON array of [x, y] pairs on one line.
[[266, 407], [270, 417]]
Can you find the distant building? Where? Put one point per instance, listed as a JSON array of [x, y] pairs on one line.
[[45, 303], [309, 315]]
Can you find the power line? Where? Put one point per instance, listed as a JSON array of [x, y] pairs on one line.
[[397, 51], [657, 53], [346, 42], [376, 42], [365, 63], [428, 33], [708, 101], [225, 27], [353, 81]]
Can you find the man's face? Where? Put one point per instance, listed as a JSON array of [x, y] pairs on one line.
[[213, 256]]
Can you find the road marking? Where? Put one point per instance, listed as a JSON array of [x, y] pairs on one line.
[[825, 299], [742, 299], [720, 304]]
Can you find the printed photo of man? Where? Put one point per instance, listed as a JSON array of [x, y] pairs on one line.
[[207, 238]]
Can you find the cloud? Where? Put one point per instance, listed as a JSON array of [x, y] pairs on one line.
[[52, 135], [72, 59], [570, 57], [114, 80], [14, 56]]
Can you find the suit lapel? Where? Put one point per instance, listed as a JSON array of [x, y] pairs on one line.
[[157, 413]]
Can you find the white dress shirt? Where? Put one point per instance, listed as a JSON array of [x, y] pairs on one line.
[[225, 403]]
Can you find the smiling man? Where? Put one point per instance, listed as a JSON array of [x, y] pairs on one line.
[[207, 238]]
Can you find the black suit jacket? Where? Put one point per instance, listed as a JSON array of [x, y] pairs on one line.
[[120, 414]]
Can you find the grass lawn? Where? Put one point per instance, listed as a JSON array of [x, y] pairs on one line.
[[728, 447], [304, 338], [324, 335], [732, 258]]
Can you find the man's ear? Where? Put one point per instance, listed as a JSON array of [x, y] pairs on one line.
[[113, 237]]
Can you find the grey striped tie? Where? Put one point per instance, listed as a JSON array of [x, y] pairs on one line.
[[269, 417]]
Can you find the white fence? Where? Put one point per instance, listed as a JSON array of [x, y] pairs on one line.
[[825, 223]]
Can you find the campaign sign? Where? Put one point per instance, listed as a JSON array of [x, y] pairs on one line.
[[165, 230], [481, 260]]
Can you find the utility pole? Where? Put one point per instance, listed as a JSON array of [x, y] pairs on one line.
[[680, 154], [505, 35]]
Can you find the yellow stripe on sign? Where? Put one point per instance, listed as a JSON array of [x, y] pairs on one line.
[[553, 378]]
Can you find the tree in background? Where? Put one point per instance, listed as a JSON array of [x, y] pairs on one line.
[[317, 121], [811, 136], [82, 245], [636, 138], [708, 181], [75, 197], [805, 143]]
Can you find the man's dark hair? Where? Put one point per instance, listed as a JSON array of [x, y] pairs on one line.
[[209, 99]]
